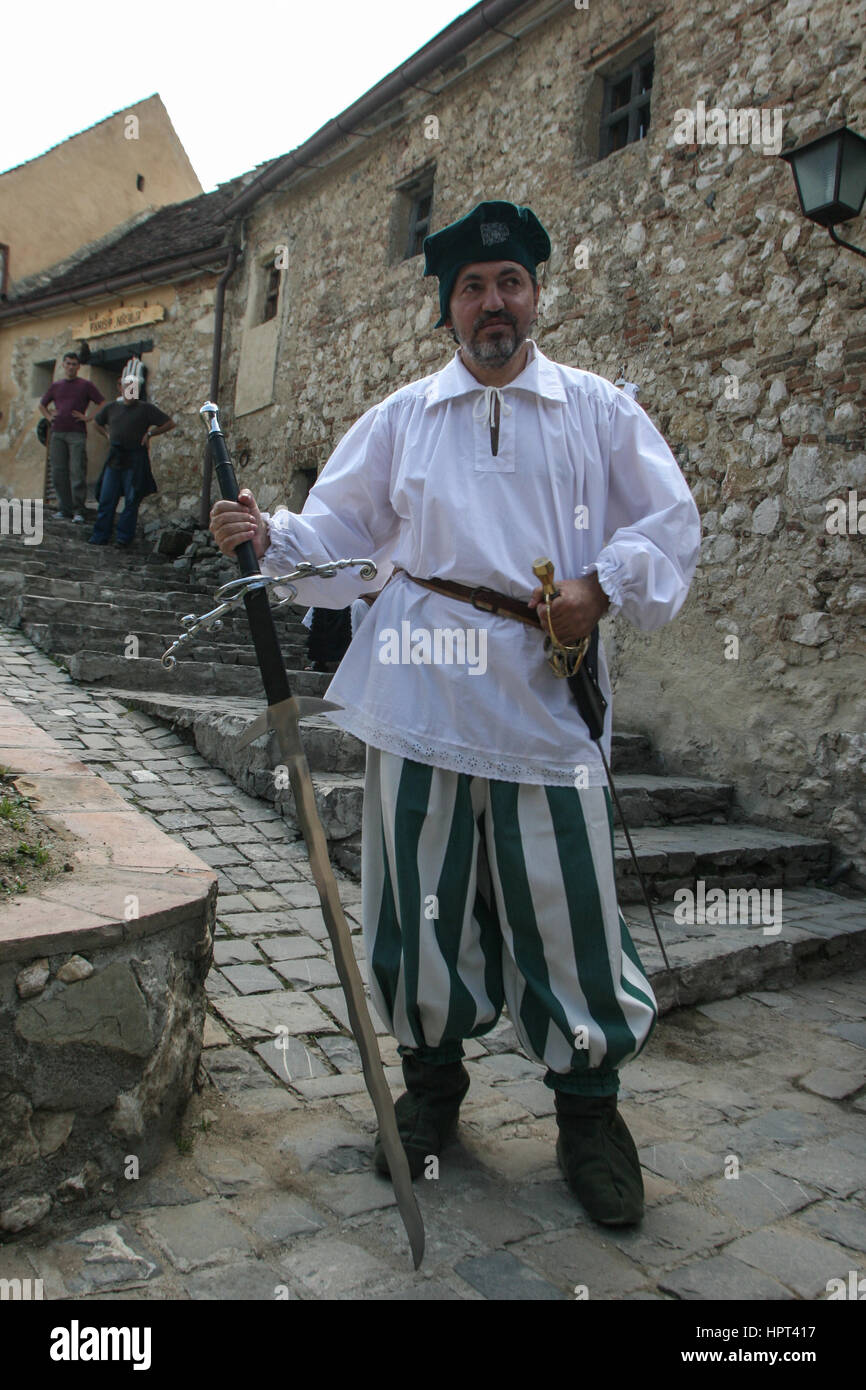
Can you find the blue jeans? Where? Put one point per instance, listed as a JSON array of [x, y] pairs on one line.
[[117, 482]]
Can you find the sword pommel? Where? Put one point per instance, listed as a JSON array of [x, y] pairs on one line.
[[210, 413], [543, 571]]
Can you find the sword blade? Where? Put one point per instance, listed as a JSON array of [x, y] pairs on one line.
[[283, 719]]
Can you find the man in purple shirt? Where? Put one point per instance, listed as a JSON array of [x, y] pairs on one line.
[[70, 398]]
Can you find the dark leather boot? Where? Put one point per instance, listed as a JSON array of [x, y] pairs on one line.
[[598, 1158], [427, 1112]]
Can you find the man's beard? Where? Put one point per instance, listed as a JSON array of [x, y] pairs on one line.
[[493, 349]]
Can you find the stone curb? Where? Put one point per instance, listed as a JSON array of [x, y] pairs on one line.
[[116, 852]]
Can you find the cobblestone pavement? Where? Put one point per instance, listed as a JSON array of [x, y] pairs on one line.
[[748, 1112]]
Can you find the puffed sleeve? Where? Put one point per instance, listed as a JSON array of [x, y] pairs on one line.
[[348, 515], [653, 525]]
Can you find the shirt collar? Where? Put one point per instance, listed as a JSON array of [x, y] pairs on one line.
[[538, 376]]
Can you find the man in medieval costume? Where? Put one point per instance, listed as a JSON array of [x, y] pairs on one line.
[[487, 858]]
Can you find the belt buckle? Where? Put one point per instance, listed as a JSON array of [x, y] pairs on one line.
[[473, 599]]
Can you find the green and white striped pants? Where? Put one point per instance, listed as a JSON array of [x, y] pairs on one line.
[[480, 892]]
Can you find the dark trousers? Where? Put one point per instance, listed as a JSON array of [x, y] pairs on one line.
[[68, 455], [117, 483]]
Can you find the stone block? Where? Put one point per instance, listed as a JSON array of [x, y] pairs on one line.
[[240, 1281], [32, 979], [681, 1163], [759, 1196], [493, 1222], [278, 948], [307, 972], [721, 1278], [268, 1015], [844, 1224], [803, 1264], [290, 1060], [107, 1010], [582, 1258], [281, 1218], [236, 953], [248, 978], [233, 1071], [201, 1233], [328, 1267], [227, 1170], [832, 1083], [104, 1259], [668, 1232], [784, 1127], [502, 1276], [352, 1194]]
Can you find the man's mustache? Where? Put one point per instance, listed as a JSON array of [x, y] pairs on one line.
[[496, 318]]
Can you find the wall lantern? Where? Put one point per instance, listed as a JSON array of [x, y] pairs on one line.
[[830, 174]]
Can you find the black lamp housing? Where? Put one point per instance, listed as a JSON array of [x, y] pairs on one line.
[[830, 174]]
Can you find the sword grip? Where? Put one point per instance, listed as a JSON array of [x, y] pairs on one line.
[[228, 486], [257, 603]]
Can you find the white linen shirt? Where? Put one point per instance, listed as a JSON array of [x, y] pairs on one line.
[[581, 476]]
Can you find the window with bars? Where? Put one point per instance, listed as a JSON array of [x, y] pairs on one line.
[[272, 294], [419, 220], [626, 105]]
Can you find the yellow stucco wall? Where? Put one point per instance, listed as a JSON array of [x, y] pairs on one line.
[[85, 187], [25, 343]]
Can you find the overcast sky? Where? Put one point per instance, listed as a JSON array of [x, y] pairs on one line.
[[242, 82]]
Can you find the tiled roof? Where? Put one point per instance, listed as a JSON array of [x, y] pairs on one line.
[[174, 231]]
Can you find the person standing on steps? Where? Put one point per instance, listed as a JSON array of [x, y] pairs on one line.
[[128, 424], [487, 864], [71, 398]]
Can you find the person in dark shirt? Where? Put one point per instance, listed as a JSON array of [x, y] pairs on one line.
[[70, 398], [128, 424]]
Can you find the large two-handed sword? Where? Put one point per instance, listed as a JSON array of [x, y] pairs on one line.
[[282, 715]]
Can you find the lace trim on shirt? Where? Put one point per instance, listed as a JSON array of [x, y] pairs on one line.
[[392, 740]]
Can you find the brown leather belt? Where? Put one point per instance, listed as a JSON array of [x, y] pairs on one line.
[[485, 600]]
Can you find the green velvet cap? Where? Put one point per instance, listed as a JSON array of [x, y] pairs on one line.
[[490, 232]]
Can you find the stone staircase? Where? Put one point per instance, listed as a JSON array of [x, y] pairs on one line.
[[109, 614]]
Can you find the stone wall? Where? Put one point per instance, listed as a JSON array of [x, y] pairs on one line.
[[741, 322], [102, 1002], [100, 1051]]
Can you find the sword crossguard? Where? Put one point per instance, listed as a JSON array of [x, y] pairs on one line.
[[236, 590]]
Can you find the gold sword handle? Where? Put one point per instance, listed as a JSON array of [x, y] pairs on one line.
[[564, 659], [543, 571]]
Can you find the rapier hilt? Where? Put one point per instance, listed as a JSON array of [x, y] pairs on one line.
[[565, 660]]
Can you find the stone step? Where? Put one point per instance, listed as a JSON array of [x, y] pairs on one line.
[[723, 856], [175, 600], [189, 677], [670, 859], [63, 637], [67, 555], [218, 724], [82, 617], [230, 647], [173, 595], [142, 573]]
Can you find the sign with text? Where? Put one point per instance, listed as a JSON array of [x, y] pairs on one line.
[[115, 320]]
